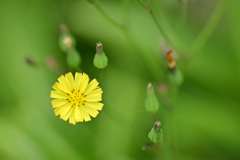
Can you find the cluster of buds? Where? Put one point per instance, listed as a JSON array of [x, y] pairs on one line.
[[152, 105], [67, 44]]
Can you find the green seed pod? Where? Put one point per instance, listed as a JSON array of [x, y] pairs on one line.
[[100, 59], [176, 77], [66, 42], [156, 134], [151, 102], [73, 58]]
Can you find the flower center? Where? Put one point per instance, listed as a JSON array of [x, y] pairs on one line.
[[76, 98]]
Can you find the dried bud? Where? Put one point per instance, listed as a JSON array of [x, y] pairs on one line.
[[63, 29], [156, 134], [171, 61], [162, 88], [66, 40], [151, 102], [51, 63], [30, 61], [100, 59], [175, 76]]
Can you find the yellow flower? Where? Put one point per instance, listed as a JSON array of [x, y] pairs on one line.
[[76, 99]]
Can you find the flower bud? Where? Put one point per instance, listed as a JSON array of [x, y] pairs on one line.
[[171, 61], [51, 63], [151, 102], [30, 61], [100, 59], [176, 78], [73, 58], [66, 40], [156, 134]]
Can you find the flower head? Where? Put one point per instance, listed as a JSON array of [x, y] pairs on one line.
[[76, 98]]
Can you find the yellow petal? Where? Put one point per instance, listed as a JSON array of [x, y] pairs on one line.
[[78, 77], [55, 87], [84, 83], [72, 117], [55, 94], [58, 102], [78, 114], [63, 88], [95, 105], [62, 110], [91, 86], [66, 116], [93, 98], [91, 111], [70, 80], [94, 93], [85, 114], [64, 82]]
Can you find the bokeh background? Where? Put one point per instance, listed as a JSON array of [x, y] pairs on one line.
[[205, 118]]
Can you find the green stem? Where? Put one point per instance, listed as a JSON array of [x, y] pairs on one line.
[[143, 4], [126, 12], [101, 76], [148, 8], [185, 4], [153, 70], [208, 29], [109, 19]]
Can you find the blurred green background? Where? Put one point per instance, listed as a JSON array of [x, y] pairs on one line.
[[205, 120]]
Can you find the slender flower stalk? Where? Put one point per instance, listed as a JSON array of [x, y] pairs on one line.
[[160, 28], [209, 27]]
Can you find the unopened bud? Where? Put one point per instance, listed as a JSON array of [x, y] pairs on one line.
[[100, 59], [176, 78], [151, 102], [162, 88], [66, 40], [63, 29], [51, 63], [156, 134], [73, 58], [30, 61], [171, 61]]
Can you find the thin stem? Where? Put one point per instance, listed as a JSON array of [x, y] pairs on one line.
[[147, 144], [185, 4], [153, 69], [209, 27], [107, 17], [148, 8], [155, 117], [126, 13], [123, 28], [101, 75]]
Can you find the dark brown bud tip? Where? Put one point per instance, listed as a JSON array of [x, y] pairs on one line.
[[30, 61]]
